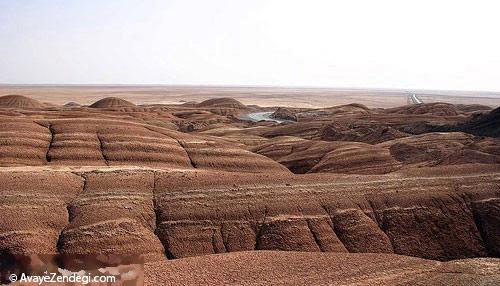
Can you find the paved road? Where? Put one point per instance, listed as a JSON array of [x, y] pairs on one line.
[[258, 116], [414, 99]]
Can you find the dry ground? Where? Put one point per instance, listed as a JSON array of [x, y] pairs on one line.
[[350, 195], [262, 96]]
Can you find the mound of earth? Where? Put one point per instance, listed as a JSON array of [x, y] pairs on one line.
[[196, 120], [486, 124], [111, 102], [299, 268], [482, 123], [334, 111], [305, 156], [19, 101], [429, 149], [306, 130], [72, 104], [298, 155], [222, 102], [472, 107], [357, 158], [105, 142], [368, 134], [443, 149], [347, 109], [285, 114], [437, 108]]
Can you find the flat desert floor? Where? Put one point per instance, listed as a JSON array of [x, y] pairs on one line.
[[262, 96]]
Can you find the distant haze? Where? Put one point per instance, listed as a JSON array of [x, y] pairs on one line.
[[385, 44]]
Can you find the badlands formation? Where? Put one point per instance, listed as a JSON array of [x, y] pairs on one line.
[[194, 194]]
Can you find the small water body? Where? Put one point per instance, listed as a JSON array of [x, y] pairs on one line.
[[258, 116]]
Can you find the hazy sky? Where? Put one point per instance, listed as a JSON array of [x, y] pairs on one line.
[[437, 44]]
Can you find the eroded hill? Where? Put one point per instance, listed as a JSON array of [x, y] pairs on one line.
[[150, 183]]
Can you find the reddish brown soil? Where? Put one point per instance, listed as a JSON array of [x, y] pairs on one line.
[[222, 102], [299, 268], [19, 101], [111, 102], [84, 188]]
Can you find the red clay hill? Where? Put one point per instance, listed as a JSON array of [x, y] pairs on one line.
[[19, 101], [222, 102], [110, 102]]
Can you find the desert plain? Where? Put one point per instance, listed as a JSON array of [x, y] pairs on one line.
[[182, 185]]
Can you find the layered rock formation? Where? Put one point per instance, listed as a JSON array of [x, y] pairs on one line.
[[19, 101], [102, 187], [111, 102], [303, 156], [285, 114], [366, 134], [486, 124], [153, 215], [384, 215], [429, 149], [33, 207], [443, 149], [222, 102], [113, 215], [101, 142]]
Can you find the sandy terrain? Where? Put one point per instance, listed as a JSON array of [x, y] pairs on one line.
[[299, 268], [263, 96]]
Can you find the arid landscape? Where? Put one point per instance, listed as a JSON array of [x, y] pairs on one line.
[[262, 96], [251, 186]]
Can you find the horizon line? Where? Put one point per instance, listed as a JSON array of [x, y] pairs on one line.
[[242, 86]]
